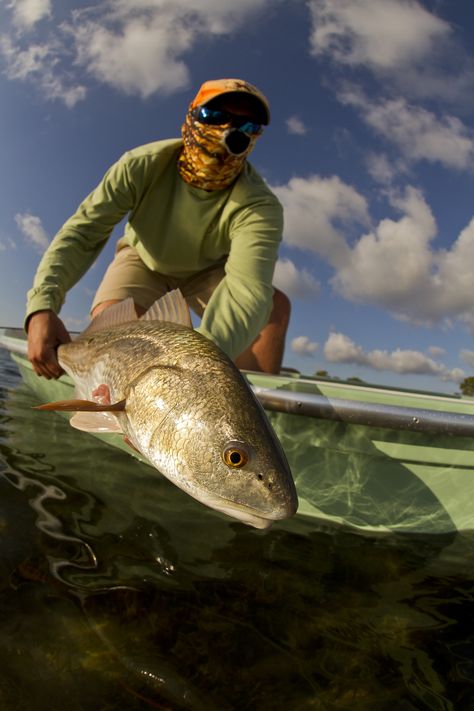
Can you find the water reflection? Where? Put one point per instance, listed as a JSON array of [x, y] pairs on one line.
[[120, 592]]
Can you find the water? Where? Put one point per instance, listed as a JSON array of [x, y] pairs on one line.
[[119, 592]]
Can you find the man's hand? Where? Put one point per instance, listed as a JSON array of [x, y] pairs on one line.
[[46, 332]]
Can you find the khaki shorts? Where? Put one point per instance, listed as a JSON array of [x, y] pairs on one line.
[[128, 276]]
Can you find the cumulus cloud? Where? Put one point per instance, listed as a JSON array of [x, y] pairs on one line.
[[339, 348], [135, 46], [26, 13], [393, 261], [294, 282], [436, 351], [384, 169], [6, 243], [417, 133], [303, 346], [138, 46], [32, 229], [21, 64], [40, 64], [318, 213], [401, 41], [410, 49], [381, 34], [296, 126], [467, 356], [139, 57], [395, 265]]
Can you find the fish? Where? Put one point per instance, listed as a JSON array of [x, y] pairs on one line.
[[180, 401]]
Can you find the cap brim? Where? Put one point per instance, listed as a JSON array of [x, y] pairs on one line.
[[218, 87]]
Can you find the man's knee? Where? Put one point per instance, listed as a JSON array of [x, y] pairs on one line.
[[281, 310]]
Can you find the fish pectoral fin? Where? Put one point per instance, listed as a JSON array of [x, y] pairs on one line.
[[82, 406], [95, 422], [90, 416], [122, 312], [171, 307]]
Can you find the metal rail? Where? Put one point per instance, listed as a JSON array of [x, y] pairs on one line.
[[14, 345], [357, 412]]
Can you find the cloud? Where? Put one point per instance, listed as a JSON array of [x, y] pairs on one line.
[[380, 34], [315, 211], [296, 126], [395, 265], [6, 243], [26, 13], [40, 64], [141, 57], [394, 260], [467, 357], [384, 169], [436, 351], [400, 42], [303, 346], [21, 64], [33, 230], [294, 282], [138, 47], [339, 348], [418, 133]]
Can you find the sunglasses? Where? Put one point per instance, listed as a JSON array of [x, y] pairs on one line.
[[217, 117]]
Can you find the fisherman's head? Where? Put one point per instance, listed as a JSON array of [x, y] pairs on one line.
[[222, 125]]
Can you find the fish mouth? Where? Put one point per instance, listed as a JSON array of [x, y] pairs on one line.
[[245, 516], [250, 516]]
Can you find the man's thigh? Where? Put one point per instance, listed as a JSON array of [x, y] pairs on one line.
[[128, 276]]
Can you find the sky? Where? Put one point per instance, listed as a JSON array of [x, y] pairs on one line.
[[370, 150]]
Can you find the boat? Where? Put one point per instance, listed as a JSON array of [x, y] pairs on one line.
[[373, 459]]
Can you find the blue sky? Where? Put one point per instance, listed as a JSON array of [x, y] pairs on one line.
[[370, 149]]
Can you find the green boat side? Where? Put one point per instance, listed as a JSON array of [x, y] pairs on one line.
[[374, 479]]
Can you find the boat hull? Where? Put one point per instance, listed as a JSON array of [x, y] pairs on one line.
[[371, 478]]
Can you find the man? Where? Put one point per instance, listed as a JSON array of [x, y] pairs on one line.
[[200, 219]]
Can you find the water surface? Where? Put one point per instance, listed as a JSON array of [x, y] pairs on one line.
[[119, 592]]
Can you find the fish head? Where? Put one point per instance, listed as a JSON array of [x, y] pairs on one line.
[[209, 435]]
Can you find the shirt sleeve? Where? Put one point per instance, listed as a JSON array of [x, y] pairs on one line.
[[241, 304], [81, 239]]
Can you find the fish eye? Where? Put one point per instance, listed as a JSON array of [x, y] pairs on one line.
[[235, 455]]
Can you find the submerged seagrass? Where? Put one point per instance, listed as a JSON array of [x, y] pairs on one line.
[[181, 403]]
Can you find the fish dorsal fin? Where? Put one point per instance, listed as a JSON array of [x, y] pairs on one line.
[[171, 307], [122, 312]]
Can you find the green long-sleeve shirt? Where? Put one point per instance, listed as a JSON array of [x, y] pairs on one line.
[[177, 230]]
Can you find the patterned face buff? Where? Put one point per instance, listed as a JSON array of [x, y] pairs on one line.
[[212, 156]]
